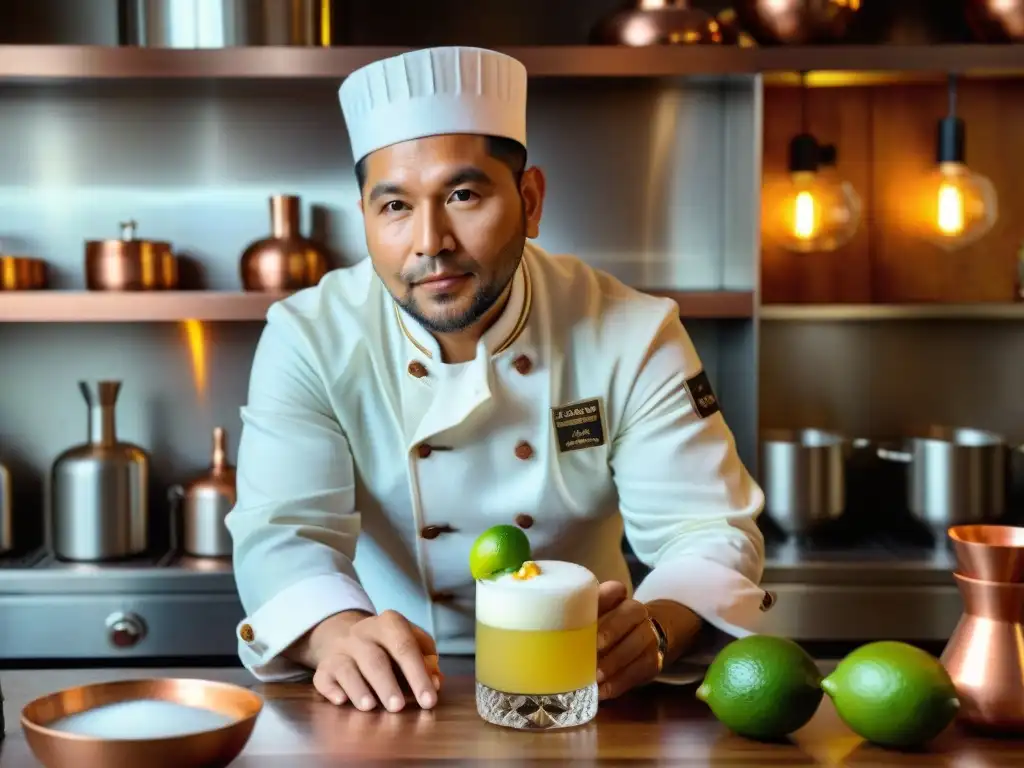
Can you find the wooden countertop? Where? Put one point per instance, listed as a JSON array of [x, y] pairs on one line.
[[663, 724]]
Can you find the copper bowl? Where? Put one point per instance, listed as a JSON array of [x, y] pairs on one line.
[[658, 22], [230, 717], [996, 21], [129, 264], [989, 552], [797, 22], [21, 273]]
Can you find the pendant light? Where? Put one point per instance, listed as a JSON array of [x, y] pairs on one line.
[[963, 205], [819, 211]]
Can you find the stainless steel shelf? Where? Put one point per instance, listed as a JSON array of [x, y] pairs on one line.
[[877, 312]]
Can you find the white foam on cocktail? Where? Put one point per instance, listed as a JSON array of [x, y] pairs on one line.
[[563, 596], [141, 719]]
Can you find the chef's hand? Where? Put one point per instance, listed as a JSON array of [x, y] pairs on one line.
[[359, 658], [627, 647]]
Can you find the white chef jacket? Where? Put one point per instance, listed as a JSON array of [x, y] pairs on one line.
[[367, 466]]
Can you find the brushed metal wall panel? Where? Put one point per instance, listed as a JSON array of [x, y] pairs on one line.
[[636, 182], [881, 379]]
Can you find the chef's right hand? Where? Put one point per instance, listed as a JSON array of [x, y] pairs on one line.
[[358, 655]]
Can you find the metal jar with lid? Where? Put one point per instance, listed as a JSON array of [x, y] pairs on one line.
[[130, 264], [204, 502]]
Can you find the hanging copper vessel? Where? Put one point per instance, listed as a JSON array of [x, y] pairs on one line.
[[996, 21], [285, 261], [797, 22], [658, 22]]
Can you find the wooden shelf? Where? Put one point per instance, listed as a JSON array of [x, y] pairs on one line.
[[134, 307], [72, 62], [232, 306], [878, 312]]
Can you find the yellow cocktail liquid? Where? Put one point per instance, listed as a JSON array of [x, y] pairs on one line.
[[535, 662]]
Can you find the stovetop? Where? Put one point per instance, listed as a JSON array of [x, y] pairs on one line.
[[167, 571]]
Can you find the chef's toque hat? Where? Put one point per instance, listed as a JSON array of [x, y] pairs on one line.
[[431, 92]]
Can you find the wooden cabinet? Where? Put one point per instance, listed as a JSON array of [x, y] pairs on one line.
[[885, 136]]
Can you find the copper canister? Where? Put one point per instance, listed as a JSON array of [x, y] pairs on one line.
[[129, 264], [21, 273]]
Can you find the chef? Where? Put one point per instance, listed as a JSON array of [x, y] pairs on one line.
[[462, 378]]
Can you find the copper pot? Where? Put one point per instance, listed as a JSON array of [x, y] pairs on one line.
[[658, 22], [286, 260], [983, 655], [797, 22], [129, 264], [996, 21], [21, 273]]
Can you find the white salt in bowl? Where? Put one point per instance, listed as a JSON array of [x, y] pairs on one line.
[[159, 723]]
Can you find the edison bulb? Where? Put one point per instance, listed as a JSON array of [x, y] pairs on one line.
[[963, 206], [819, 212]]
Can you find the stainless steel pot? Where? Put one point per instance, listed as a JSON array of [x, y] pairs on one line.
[[957, 476], [225, 23], [803, 475]]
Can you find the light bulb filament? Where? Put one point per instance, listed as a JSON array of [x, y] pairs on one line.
[[803, 219], [951, 209]]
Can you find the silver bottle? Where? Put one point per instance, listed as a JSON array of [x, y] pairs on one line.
[[100, 489], [6, 512]]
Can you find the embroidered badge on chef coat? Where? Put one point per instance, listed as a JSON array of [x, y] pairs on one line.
[[698, 387], [579, 425]]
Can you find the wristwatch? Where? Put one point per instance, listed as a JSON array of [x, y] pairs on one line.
[[659, 633]]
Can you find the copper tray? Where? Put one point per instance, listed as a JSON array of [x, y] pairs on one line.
[[211, 738]]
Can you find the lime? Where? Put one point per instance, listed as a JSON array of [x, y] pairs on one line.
[[762, 687], [893, 694], [501, 549]]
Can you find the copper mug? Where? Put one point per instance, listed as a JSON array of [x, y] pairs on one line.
[[983, 655]]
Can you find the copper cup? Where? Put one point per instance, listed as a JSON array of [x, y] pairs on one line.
[[217, 746], [129, 264], [21, 273], [992, 553], [983, 656]]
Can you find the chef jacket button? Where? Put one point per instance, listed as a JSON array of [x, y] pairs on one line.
[[524, 521], [524, 450], [423, 450], [417, 369], [433, 531], [246, 633], [523, 364]]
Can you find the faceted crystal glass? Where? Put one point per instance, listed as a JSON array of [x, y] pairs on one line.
[[536, 647]]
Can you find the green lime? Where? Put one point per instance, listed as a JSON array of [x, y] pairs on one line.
[[893, 694], [497, 550], [762, 687]]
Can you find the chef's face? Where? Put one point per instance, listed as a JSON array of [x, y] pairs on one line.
[[446, 220]]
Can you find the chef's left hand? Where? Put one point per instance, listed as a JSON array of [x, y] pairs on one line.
[[627, 648]]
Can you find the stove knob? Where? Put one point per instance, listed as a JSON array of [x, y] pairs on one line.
[[125, 629]]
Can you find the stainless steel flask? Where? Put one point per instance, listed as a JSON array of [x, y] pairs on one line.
[[100, 505]]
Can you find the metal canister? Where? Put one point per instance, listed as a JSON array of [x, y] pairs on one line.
[[100, 502], [225, 23], [803, 477], [6, 512], [203, 503]]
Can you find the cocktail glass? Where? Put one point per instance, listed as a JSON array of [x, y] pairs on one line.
[[536, 647]]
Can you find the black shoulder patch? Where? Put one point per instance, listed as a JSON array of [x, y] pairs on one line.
[[705, 403]]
